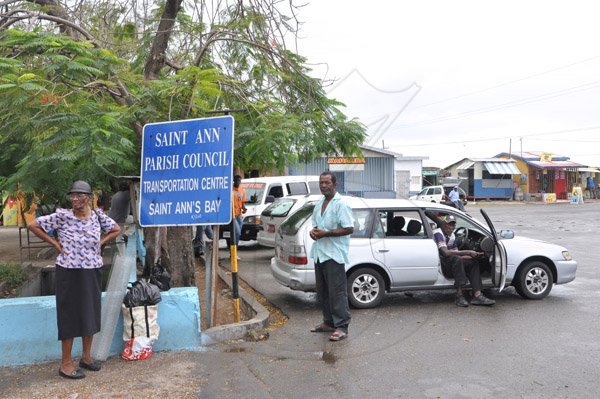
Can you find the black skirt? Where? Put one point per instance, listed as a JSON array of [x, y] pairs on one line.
[[78, 299]]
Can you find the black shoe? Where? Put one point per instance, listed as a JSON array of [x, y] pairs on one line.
[[482, 300], [461, 301], [76, 374], [93, 366]]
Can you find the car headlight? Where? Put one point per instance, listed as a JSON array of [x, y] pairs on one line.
[[252, 220], [567, 255]]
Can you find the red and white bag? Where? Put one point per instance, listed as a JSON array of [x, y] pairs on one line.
[[140, 330]]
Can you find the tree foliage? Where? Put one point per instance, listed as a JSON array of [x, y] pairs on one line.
[[78, 80]]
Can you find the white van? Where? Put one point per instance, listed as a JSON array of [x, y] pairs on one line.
[[262, 191]]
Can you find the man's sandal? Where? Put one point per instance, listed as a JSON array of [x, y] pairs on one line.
[[322, 328], [338, 335]]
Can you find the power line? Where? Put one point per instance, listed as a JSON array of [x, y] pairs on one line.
[[549, 133], [480, 90], [509, 82], [510, 104]]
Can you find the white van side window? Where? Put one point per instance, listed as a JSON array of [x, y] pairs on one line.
[[313, 187], [276, 190], [297, 188]]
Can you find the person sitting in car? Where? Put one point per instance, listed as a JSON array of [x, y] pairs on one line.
[[458, 263]]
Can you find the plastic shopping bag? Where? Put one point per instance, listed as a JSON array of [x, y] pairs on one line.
[[142, 293], [139, 348], [140, 331]]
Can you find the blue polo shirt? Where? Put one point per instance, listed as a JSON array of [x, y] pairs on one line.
[[337, 214]]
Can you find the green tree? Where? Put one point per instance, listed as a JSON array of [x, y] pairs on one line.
[[79, 80]]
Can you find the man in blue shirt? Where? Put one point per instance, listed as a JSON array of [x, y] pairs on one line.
[[332, 226], [454, 196], [591, 186]]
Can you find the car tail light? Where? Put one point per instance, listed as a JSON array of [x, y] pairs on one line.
[[298, 260], [297, 255]]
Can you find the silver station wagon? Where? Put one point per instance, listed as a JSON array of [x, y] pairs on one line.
[[392, 249]]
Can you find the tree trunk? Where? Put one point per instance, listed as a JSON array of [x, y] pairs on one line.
[[156, 59], [176, 242], [177, 253]]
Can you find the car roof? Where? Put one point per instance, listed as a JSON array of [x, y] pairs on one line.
[[308, 197], [280, 179], [358, 202]]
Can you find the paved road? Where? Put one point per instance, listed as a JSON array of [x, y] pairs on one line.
[[411, 347], [424, 346]]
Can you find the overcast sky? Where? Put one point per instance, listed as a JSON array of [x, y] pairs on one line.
[[455, 79]]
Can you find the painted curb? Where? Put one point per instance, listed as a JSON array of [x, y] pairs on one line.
[[239, 330]]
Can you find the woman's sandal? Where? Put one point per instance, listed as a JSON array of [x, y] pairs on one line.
[[322, 328], [338, 335], [76, 374]]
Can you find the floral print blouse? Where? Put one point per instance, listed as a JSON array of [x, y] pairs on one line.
[[80, 239]]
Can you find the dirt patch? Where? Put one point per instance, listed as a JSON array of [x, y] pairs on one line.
[[224, 303]]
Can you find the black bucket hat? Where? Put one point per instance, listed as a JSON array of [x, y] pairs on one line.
[[81, 187]]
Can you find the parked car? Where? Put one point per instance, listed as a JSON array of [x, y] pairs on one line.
[[276, 213], [263, 191], [439, 194], [392, 249]]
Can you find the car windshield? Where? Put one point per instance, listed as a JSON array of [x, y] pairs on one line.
[[292, 224], [279, 208], [254, 192]]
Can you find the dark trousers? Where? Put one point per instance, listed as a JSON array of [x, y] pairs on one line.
[[459, 268], [332, 294]]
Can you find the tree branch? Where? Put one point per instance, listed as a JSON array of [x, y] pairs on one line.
[[12, 18]]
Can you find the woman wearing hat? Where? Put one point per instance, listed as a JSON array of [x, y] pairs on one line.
[[78, 278]]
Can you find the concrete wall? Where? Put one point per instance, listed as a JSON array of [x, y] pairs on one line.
[[28, 332]]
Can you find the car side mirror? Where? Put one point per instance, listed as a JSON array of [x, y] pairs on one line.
[[507, 234], [269, 199]]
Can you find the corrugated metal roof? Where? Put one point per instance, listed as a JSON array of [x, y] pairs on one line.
[[502, 168], [465, 165]]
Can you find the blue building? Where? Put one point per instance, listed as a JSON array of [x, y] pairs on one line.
[[486, 177]]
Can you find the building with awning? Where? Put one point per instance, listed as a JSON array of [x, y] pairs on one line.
[[545, 173], [486, 177], [377, 173]]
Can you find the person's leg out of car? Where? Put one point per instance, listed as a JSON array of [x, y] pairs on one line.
[[472, 268], [453, 266]]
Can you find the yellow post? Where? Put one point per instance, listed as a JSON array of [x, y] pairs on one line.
[[234, 284]]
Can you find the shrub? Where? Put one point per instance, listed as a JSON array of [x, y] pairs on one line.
[[12, 275]]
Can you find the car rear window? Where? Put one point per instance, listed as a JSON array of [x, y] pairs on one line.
[[280, 207], [292, 224]]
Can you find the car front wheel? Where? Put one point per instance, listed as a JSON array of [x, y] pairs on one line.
[[534, 280], [365, 288]]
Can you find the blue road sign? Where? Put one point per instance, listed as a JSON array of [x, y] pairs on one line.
[[186, 172]]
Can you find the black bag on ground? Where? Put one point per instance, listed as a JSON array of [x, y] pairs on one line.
[[160, 277], [142, 293]]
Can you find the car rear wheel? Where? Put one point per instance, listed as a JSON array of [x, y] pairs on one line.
[[534, 280], [365, 288]]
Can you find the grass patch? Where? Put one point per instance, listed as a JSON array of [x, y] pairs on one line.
[[13, 275]]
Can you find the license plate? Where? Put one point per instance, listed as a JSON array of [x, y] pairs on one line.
[[271, 228], [226, 234]]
